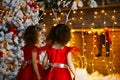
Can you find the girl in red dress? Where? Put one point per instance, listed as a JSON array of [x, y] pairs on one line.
[[31, 69], [58, 60]]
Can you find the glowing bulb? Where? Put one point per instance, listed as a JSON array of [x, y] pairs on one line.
[[74, 12], [44, 13], [50, 14], [89, 32], [95, 17], [44, 25], [113, 17], [53, 19], [84, 43], [81, 18], [104, 22], [15, 10], [93, 70], [84, 30], [110, 69], [20, 4], [62, 13], [73, 36], [114, 11], [73, 18], [103, 45], [55, 24], [73, 42], [84, 50], [92, 64], [70, 23], [113, 30], [81, 11], [83, 24], [103, 60], [103, 11], [59, 18], [115, 22], [96, 58], [95, 45], [91, 52], [96, 12], [82, 36], [113, 36], [93, 24]]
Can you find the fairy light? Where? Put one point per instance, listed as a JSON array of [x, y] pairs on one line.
[[113, 56], [55, 24], [81, 12], [54, 19], [81, 18], [104, 22], [44, 25], [70, 23], [95, 17], [44, 13], [115, 22], [95, 12], [110, 68], [51, 14], [73, 18], [15, 10], [113, 17], [59, 18], [72, 40], [91, 53], [20, 4], [103, 11], [92, 24], [94, 46], [84, 60], [74, 12], [62, 13]]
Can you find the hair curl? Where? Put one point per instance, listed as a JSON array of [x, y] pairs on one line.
[[31, 35]]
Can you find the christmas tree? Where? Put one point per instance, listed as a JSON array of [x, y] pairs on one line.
[[15, 17]]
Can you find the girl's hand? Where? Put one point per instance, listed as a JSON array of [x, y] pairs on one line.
[[48, 67], [75, 78], [38, 78]]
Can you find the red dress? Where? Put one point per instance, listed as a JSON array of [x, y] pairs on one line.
[[27, 72], [58, 56]]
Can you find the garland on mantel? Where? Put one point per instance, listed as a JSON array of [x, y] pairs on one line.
[[74, 4]]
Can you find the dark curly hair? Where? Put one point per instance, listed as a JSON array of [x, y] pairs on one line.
[[60, 34], [31, 35]]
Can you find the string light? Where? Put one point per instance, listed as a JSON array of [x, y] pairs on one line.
[[51, 14], [44, 13], [44, 25], [70, 23], [62, 13], [74, 12]]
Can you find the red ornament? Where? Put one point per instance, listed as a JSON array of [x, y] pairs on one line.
[[33, 4], [1, 54], [14, 30]]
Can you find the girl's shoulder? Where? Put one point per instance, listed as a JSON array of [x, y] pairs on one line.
[[30, 47], [44, 48]]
